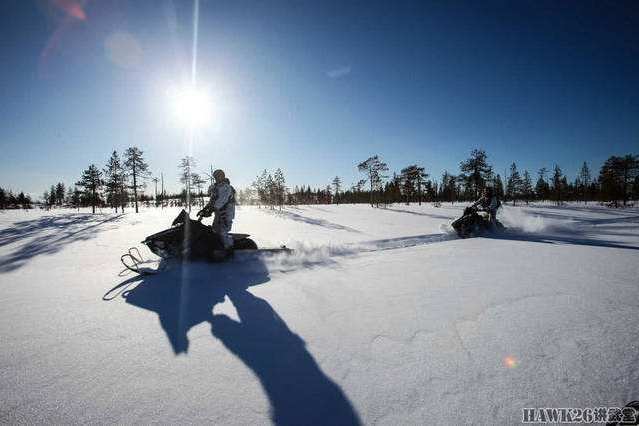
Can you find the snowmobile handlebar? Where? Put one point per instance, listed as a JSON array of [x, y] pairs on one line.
[[203, 213], [470, 210]]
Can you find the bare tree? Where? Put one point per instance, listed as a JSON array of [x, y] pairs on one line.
[[187, 165]]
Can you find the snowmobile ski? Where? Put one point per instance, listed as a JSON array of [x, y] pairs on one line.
[[132, 260], [281, 249]]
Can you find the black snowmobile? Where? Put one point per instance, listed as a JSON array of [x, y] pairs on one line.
[[473, 223], [188, 239]]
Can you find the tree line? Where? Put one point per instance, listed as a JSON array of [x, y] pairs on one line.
[[617, 183], [268, 189], [122, 181], [8, 200], [117, 185]]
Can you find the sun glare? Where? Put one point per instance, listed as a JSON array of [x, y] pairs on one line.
[[191, 106]]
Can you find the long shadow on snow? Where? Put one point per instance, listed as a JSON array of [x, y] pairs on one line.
[[576, 239], [184, 296], [589, 209], [434, 216], [28, 228], [57, 232], [617, 218], [312, 221]]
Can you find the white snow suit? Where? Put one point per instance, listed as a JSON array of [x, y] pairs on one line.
[[489, 205], [222, 203]]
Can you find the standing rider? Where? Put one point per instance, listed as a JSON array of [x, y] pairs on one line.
[[222, 203], [489, 202]]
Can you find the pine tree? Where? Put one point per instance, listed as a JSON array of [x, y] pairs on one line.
[[271, 191], [52, 196], [526, 187], [11, 200], [448, 188], [628, 170], [514, 184], [374, 168], [76, 200], [45, 199], [138, 170], [406, 182], [91, 181], [68, 196], [260, 188], [584, 179], [3, 199], [337, 186], [498, 187], [542, 189], [59, 193], [280, 187], [476, 171], [617, 177], [198, 182], [414, 178], [23, 201], [115, 180], [557, 184]]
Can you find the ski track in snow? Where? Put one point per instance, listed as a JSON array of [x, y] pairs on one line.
[[378, 316], [309, 255]]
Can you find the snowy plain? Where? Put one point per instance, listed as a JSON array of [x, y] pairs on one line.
[[380, 316]]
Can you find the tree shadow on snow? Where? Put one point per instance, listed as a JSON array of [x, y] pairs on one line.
[[569, 214], [433, 215], [47, 235], [587, 208], [313, 221], [184, 296], [574, 239]]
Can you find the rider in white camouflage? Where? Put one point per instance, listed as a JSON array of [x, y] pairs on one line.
[[222, 203], [489, 202]]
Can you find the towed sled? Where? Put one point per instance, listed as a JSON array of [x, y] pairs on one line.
[[473, 223], [189, 239]]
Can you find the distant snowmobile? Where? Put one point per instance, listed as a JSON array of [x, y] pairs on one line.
[[189, 239], [474, 222]]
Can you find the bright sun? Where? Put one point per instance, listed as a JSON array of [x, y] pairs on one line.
[[191, 106]]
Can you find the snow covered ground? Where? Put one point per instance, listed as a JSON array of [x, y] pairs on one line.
[[379, 317]]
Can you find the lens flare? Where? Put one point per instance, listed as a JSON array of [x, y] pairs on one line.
[[124, 50], [511, 361], [72, 8]]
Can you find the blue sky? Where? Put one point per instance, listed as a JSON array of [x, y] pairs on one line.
[[315, 87]]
